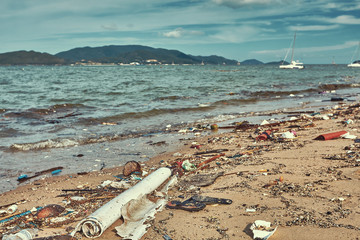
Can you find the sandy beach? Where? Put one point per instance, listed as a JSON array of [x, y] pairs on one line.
[[307, 187]]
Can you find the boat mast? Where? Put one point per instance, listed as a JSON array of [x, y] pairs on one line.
[[293, 47]]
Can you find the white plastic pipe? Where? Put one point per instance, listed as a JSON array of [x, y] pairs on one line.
[[95, 224]]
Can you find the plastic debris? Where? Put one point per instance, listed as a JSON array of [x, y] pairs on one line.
[[329, 136], [12, 209], [262, 229], [94, 225], [131, 167], [188, 166], [26, 234]]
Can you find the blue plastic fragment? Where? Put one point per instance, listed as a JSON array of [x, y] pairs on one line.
[[56, 172], [22, 176], [167, 237], [18, 215]]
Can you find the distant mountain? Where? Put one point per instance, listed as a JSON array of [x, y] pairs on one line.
[[137, 53], [251, 62], [29, 58]]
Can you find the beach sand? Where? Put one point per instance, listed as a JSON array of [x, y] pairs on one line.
[[308, 188]]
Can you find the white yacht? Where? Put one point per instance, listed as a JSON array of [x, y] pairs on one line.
[[293, 64], [357, 62]]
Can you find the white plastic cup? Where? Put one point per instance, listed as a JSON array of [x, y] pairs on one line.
[[12, 209]]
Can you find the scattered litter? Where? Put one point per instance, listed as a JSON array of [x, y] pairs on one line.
[[250, 210], [131, 167], [262, 229], [94, 225], [24, 177], [348, 136], [12, 209], [188, 205], [26, 234], [52, 210], [188, 166], [200, 180], [329, 136]]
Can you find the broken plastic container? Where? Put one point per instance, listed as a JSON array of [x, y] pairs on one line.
[[26, 234], [329, 136]]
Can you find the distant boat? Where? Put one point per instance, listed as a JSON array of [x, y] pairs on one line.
[[293, 64], [356, 63]]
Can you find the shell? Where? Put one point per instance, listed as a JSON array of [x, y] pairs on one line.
[[52, 210], [130, 167]]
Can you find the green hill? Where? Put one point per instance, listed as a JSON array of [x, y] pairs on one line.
[[137, 53], [251, 62], [29, 58]]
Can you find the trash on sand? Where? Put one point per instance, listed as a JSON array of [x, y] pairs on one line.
[[12, 217], [55, 172], [288, 135], [264, 122], [250, 210], [197, 203], [200, 180], [264, 135], [188, 166], [141, 210], [25, 177], [188, 205], [214, 127], [12, 209], [57, 237], [96, 223], [262, 229], [130, 167], [135, 213], [211, 200], [348, 136], [212, 151], [210, 159], [52, 210], [329, 136], [25, 234]]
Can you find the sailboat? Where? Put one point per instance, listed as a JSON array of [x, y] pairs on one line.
[[293, 64], [356, 63]]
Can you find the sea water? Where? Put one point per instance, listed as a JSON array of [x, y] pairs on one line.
[[88, 117]]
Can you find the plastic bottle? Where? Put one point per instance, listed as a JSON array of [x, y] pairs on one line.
[[25, 234]]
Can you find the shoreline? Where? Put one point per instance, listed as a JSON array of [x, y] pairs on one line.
[[118, 149], [316, 197]]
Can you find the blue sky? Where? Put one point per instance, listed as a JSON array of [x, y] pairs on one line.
[[235, 29]]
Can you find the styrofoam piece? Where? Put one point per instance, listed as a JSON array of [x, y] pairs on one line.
[[262, 229], [138, 211], [94, 225], [135, 214]]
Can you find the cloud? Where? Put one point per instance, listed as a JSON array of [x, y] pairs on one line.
[[236, 35], [343, 6], [244, 3], [346, 19], [177, 33], [313, 28], [345, 45], [180, 32]]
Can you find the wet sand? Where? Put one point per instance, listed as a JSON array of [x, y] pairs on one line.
[[306, 187]]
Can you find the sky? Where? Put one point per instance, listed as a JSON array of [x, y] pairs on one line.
[[326, 31]]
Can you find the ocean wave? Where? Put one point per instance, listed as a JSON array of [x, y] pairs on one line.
[[60, 143], [44, 145], [57, 111]]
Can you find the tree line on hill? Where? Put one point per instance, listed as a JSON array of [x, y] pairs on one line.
[[113, 54]]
